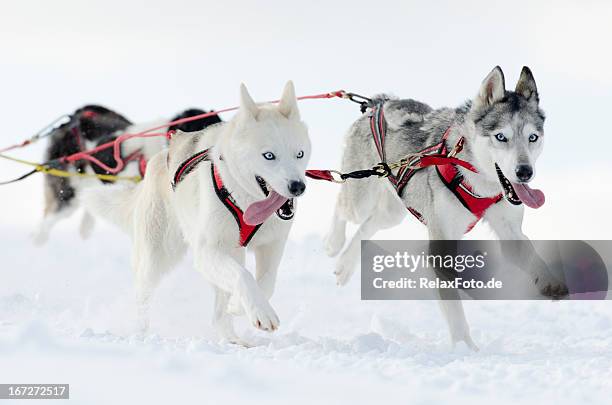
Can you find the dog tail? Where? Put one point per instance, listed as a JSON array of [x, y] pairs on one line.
[[115, 203]]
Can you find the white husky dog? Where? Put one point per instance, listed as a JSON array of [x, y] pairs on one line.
[[501, 133], [194, 195]]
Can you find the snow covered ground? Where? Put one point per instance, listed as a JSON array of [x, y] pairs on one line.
[[67, 309], [67, 316]]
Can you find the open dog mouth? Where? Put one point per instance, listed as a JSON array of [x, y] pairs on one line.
[[259, 211], [517, 193]]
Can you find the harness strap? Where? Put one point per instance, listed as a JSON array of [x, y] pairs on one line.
[[51, 170], [320, 175], [464, 192], [246, 231], [136, 155], [22, 177], [435, 155], [188, 166], [429, 156], [378, 126], [142, 161]]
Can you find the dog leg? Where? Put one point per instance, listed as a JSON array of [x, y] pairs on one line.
[[87, 225], [452, 309], [449, 300], [267, 258], [158, 246], [222, 320], [387, 216], [234, 306], [507, 220], [226, 273], [336, 237], [347, 263], [150, 262], [147, 272], [48, 222]]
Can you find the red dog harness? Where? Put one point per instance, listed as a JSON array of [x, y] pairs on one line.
[[134, 156], [454, 181], [448, 170], [245, 231]]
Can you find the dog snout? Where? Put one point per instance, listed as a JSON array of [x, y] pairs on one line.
[[297, 188], [524, 173]]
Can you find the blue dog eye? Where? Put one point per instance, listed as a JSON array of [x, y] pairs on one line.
[[300, 154], [500, 137], [533, 138], [268, 155]]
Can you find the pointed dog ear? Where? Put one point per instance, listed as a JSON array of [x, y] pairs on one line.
[[288, 103], [247, 105], [526, 85], [493, 89]]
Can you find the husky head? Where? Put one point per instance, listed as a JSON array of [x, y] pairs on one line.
[[267, 150], [96, 122], [509, 135]]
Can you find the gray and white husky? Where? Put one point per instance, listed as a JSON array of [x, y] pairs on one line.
[[260, 159], [503, 133]]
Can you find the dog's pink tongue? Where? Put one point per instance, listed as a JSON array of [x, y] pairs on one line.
[[532, 198], [259, 211]]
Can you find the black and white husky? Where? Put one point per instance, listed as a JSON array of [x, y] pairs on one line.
[[217, 191], [88, 127], [503, 135]]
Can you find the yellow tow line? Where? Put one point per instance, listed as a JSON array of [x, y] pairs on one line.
[[64, 173]]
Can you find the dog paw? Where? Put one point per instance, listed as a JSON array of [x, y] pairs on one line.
[[551, 287], [333, 244], [262, 316], [555, 290], [468, 342], [344, 271], [240, 342]]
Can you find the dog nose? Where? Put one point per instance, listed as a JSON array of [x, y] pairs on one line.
[[524, 172], [297, 188]]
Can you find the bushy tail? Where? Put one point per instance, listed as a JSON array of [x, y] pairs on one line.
[[115, 203]]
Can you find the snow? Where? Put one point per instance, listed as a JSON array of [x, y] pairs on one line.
[[67, 308], [67, 316]]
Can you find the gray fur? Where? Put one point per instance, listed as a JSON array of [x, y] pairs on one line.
[[412, 126]]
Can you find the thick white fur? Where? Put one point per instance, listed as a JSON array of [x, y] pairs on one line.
[[163, 223]]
